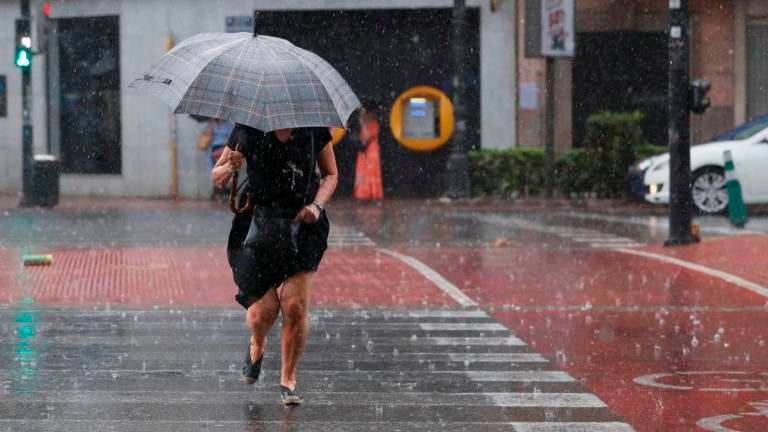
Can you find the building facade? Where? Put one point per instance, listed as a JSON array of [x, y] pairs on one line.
[[116, 141], [621, 65]]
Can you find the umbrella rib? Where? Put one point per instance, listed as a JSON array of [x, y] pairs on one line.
[[256, 96], [222, 46], [309, 76], [326, 74], [202, 69], [229, 80], [174, 55], [285, 83]]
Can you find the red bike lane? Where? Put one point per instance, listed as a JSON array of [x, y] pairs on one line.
[[200, 277], [665, 347]]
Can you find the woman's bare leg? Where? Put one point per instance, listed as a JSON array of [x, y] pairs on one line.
[[294, 304], [259, 318]]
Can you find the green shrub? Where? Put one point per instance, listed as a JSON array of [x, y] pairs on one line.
[[573, 173], [507, 173], [646, 151], [611, 145], [614, 142]]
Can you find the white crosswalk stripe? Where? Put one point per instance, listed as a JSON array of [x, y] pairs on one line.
[[463, 375], [589, 237], [342, 236]]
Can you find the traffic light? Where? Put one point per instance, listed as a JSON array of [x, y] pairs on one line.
[[699, 100], [23, 54]]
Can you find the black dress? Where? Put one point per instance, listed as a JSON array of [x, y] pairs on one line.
[[277, 178]]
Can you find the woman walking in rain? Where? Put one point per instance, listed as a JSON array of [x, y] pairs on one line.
[[283, 99], [282, 179]]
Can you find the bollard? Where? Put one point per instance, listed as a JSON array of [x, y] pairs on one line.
[[737, 211], [37, 260]]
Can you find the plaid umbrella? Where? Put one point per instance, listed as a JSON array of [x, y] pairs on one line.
[[260, 81]]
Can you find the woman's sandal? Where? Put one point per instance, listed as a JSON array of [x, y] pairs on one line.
[[290, 397], [250, 370]]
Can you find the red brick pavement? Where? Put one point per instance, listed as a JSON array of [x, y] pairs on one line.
[[200, 276]]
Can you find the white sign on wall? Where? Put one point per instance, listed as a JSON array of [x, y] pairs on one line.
[[236, 24], [558, 29]]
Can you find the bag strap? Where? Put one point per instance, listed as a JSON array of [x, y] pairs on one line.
[[311, 167]]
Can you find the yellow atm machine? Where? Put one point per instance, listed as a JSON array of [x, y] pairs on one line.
[[422, 119]]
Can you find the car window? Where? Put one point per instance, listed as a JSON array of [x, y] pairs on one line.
[[745, 131]]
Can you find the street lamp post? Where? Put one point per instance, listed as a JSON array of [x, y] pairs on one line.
[[680, 202], [26, 109], [458, 161]]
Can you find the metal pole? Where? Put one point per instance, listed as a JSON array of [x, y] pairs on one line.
[[549, 140], [26, 124], [458, 161], [680, 203], [173, 144]]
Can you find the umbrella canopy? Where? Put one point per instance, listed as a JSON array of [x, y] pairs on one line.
[[260, 81]]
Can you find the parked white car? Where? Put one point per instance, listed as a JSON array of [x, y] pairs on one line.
[[748, 144]]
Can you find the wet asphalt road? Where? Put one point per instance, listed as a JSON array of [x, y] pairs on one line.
[[409, 222], [364, 370], [563, 330]]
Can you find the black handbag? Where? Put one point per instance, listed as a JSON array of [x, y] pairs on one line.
[[274, 229]]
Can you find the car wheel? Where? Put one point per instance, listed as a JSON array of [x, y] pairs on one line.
[[709, 193]]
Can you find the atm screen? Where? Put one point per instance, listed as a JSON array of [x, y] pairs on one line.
[[420, 119]]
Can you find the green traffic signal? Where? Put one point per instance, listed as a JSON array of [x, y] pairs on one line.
[[23, 57]]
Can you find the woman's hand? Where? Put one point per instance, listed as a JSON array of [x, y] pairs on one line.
[[309, 214], [236, 160]]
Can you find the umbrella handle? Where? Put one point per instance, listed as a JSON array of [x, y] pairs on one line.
[[233, 195]]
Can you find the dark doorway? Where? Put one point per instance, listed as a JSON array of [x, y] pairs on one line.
[[382, 53], [621, 71], [88, 59]]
